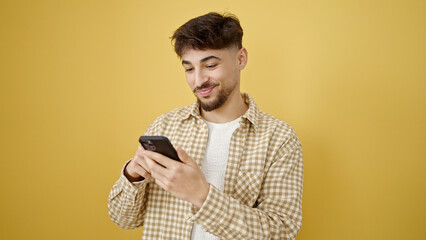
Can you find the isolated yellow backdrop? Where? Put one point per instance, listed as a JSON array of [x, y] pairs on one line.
[[81, 80]]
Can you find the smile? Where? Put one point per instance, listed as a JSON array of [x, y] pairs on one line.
[[206, 91]]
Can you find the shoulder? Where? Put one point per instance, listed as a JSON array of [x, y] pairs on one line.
[[174, 115], [268, 127], [166, 121], [280, 131]]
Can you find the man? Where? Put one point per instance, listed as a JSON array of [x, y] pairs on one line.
[[241, 173]]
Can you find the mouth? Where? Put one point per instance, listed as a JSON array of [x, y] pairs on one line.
[[206, 91]]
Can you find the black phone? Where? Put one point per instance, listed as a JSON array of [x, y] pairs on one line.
[[159, 144]]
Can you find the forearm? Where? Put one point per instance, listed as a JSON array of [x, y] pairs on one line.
[[275, 214], [227, 218], [126, 203]]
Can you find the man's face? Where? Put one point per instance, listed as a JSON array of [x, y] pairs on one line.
[[213, 75]]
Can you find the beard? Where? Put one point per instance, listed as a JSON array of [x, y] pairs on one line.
[[216, 103]]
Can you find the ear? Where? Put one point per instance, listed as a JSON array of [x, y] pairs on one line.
[[242, 56]]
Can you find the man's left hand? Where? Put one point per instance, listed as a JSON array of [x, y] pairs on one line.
[[184, 180]]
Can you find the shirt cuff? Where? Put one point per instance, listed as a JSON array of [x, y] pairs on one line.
[[210, 215]]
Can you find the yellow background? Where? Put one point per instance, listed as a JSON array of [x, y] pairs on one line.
[[81, 80]]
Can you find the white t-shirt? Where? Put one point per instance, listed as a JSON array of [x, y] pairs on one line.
[[214, 163]]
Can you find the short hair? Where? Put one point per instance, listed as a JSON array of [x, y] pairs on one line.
[[209, 31]]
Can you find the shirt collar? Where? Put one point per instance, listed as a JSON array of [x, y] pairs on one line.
[[252, 114]]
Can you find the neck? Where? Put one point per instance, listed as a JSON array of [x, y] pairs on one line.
[[233, 108]]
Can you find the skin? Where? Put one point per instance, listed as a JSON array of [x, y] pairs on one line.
[[220, 69], [211, 74]]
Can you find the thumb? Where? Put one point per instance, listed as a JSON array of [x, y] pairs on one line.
[[183, 156]]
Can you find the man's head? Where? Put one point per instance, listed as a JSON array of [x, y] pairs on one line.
[[210, 31], [210, 47]]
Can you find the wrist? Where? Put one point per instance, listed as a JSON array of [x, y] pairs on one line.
[[132, 178], [202, 197]]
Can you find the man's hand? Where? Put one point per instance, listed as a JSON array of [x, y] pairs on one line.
[[137, 169], [184, 180]]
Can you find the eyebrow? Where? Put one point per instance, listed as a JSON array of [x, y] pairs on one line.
[[202, 60]]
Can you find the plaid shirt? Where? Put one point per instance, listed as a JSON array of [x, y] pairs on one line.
[[262, 196]]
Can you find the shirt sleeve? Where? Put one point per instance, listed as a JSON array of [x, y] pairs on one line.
[[277, 213], [126, 202]]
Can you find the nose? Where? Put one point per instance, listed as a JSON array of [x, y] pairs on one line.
[[199, 77]]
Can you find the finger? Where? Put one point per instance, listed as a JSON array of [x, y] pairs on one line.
[[156, 170], [162, 185], [142, 172], [141, 162], [185, 157], [134, 171], [139, 151], [161, 159]]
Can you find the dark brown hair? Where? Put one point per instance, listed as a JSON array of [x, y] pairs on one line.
[[209, 31]]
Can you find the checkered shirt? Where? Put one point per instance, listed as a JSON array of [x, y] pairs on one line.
[[262, 196]]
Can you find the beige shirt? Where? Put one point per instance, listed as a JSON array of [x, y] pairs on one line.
[[262, 195]]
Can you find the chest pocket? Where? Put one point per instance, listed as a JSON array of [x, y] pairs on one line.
[[247, 187]]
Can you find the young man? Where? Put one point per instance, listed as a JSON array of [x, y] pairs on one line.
[[241, 173]]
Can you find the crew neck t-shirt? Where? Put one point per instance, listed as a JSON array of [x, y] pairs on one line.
[[214, 163]]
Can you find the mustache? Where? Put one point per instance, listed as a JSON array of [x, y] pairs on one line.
[[205, 85]]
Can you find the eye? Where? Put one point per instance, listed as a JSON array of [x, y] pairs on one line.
[[210, 66], [188, 69]]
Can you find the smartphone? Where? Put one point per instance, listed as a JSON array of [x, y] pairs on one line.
[[159, 144]]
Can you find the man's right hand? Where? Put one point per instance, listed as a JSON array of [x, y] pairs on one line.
[[137, 169]]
